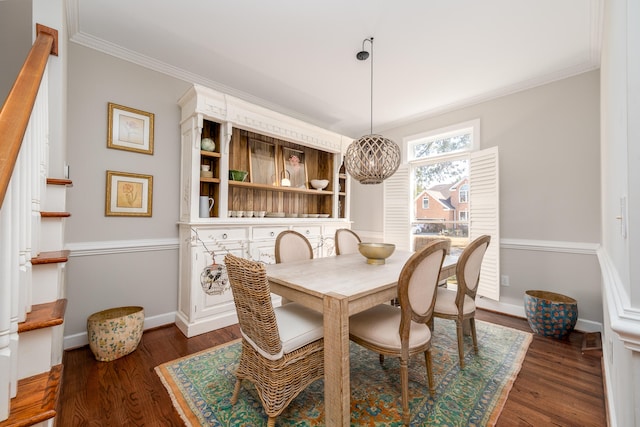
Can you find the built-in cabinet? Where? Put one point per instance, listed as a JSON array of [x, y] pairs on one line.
[[258, 174]]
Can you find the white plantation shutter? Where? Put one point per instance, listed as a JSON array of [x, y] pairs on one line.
[[484, 216], [397, 205]]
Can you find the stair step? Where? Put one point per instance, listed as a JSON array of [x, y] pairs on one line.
[[55, 214], [59, 181], [36, 400], [44, 316], [51, 257]]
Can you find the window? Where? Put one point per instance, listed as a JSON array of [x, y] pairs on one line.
[[438, 162], [430, 164], [463, 196], [425, 202]]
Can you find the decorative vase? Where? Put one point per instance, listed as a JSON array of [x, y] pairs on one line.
[[207, 144], [550, 314]]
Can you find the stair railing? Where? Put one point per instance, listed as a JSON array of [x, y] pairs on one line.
[[24, 129]]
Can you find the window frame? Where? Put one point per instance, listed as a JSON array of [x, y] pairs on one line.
[[464, 189], [472, 127]]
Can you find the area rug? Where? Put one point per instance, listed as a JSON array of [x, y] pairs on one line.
[[201, 384]]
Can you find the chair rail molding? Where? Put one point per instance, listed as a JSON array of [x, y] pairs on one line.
[[550, 246], [121, 246], [624, 319]]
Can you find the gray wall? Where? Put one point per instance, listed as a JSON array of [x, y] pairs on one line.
[[548, 140], [119, 261]]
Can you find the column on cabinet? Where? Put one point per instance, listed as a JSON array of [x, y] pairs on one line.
[[210, 163]]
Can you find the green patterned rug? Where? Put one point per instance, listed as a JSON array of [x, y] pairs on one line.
[[201, 385]]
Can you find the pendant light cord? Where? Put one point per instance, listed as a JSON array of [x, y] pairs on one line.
[[371, 108]]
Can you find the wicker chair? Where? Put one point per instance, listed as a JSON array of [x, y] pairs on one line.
[[282, 348], [346, 241], [403, 331], [292, 246], [460, 305]]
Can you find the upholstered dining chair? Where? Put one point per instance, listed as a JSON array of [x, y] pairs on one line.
[[346, 241], [460, 304], [282, 347], [403, 331], [292, 246]]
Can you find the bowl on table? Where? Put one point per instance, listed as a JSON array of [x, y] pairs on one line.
[[376, 253]]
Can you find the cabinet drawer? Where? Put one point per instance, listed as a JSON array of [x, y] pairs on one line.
[[308, 231], [267, 232], [225, 234]]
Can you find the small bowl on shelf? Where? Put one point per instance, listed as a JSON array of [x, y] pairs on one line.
[[319, 184], [260, 214], [376, 253], [236, 175]]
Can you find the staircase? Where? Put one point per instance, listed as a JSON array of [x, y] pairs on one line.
[[40, 335], [32, 258]]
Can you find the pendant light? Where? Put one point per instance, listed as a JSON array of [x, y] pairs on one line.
[[372, 158]]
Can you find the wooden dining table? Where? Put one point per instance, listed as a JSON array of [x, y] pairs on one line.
[[340, 286]]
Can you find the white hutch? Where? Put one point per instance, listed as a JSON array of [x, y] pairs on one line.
[[280, 156]]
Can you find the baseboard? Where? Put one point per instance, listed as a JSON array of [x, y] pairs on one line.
[[82, 339]]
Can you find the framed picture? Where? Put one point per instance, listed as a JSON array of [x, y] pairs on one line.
[[262, 162], [293, 164], [128, 194], [130, 129]]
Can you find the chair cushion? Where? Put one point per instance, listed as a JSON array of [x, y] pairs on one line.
[[446, 303], [298, 326], [380, 325]]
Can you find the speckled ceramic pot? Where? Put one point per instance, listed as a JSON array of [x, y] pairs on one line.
[[115, 332], [550, 314]]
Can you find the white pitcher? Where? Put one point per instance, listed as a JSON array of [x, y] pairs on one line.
[[206, 204]]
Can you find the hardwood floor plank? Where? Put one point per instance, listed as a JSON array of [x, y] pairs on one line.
[[557, 386]]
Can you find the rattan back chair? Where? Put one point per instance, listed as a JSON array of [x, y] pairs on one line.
[[403, 331], [282, 348], [346, 241], [460, 305], [292, 246]]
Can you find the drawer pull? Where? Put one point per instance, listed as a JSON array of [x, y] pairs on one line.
[[272, 234], [224, 236], [307, 232]]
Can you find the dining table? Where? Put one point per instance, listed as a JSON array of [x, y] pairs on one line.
[[338, 287]]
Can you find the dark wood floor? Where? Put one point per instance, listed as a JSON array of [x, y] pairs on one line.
[[557, 386]]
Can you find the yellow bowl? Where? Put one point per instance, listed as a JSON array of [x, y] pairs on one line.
[[376, 253]]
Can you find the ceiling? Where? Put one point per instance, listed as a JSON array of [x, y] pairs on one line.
[[299, 57]]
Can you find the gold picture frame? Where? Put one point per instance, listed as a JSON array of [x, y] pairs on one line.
[[130, 129], [128, 194]]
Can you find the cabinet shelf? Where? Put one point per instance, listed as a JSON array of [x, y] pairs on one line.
[[281, 189], [211, 180], [209, 153]]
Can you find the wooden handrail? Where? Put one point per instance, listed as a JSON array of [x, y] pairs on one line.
[[16, 111]]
